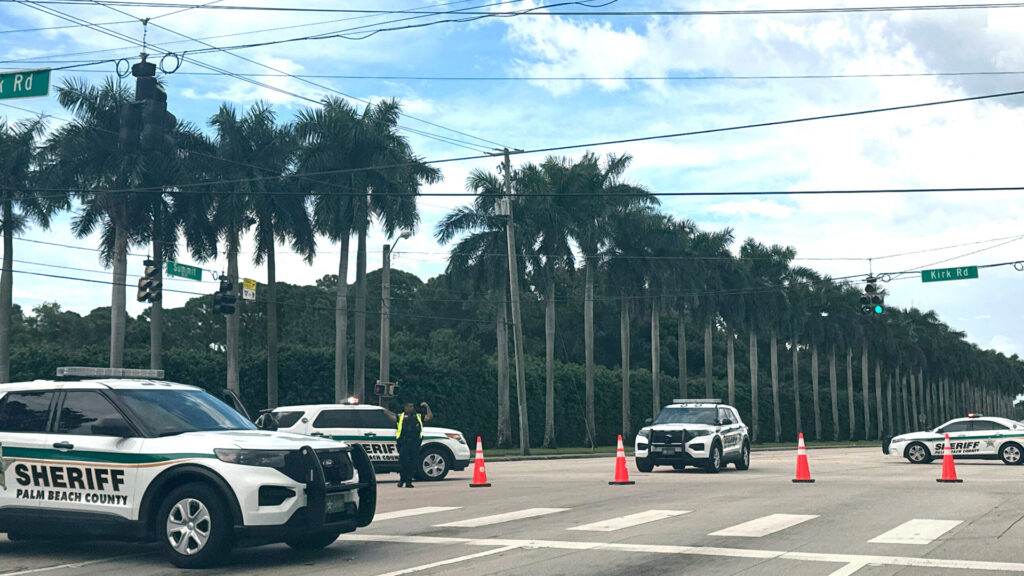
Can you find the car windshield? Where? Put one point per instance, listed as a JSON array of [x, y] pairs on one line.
[[172, 412], [686, 415]]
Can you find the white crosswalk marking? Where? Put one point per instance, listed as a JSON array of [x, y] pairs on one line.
[[614, 524], [413, 512], [916, 531], [499, 518], [765, 525]]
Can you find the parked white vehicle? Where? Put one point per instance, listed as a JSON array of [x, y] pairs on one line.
[[976, 436], [703, 433]]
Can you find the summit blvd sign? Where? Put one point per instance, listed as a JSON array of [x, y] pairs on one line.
[[25, 84], [944, 274]]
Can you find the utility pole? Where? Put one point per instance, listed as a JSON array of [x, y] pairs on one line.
[[517, 325], [385, 312]]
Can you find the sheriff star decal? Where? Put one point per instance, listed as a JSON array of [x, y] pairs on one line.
[[990, 443]]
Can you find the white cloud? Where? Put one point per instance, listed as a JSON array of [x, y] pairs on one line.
[[753, 208]]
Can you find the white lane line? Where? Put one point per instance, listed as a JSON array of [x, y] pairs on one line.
[[765, 525], [614, 524], [916, 531], [449, 561], [413, 512], [69, 566], [499, 518], [1016, 567], [849, 569]]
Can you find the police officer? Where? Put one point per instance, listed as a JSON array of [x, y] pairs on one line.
[[409, 436]]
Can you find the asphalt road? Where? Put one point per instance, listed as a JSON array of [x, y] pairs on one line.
[[865, 515]]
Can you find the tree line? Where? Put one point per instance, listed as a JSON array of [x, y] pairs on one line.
[[593, 248]]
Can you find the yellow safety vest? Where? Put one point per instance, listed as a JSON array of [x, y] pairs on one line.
[[401, 418]]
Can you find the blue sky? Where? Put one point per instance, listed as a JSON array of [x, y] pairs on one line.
[[974, 144]]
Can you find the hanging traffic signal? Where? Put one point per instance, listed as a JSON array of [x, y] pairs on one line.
[[150, 283], [872, 301], [223, 299]]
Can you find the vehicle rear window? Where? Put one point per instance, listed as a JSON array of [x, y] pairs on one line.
[[25, 411], [287, 419], [336, 419], [375, 419], [980, 425], [961, 426]]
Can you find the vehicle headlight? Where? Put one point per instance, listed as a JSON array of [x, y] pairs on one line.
[[645, 434], [266, 458], [699, 433], [457, 437], [896, 439]]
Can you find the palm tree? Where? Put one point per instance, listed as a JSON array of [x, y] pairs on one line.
[[18, 208], [603, 193], [713, 249], [88, 161]]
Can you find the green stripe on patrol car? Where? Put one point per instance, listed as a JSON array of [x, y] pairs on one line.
[[97, 457]]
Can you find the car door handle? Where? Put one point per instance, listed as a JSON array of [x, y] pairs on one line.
[[64, 446], [372, 434]]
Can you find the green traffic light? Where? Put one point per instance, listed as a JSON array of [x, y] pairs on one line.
[[879, 309]]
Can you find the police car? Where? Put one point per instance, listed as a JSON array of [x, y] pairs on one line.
[[703, 433], [443, 449], [127, 455], [976, 436]]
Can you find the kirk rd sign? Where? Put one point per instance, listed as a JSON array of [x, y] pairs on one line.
[[24, 84], [945, 274]]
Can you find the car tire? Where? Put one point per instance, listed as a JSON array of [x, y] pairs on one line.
[[714, 463], [1011, 454], [194, 526], [744, 461], [313, 540], [644, 464], [917, 453], [434, 464]]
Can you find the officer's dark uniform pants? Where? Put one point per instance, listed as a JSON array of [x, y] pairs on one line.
[[408, 456]]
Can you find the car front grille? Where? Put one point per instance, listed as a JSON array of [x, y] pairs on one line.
[[674, 437], [337, 465]]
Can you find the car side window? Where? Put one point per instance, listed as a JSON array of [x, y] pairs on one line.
[[336, 419], [735, 416], [374, 419], [955, 427], [981, 425], [724, 415], [25, 411], [287, 419], [89, 413]]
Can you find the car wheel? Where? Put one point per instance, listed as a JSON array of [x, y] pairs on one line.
[[314, 540], [644, 464], [744, 462], [434, 465], [195, 526], [714, 463], [918, 453], [1011, 454]]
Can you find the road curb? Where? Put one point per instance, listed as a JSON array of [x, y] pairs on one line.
[[629, 452]]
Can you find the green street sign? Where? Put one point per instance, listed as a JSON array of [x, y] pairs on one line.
[[944, 274], [185, 271], [25, 84]]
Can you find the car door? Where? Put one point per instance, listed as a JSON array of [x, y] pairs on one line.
[[988, 435], [95, 456], [379, 432], [24, 422], [730, 432], [959, 436]]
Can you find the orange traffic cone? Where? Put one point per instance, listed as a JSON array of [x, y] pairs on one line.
[[948, 470], [803, 471], [479, 473], [621, 474]]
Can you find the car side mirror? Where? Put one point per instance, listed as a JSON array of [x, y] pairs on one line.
[[115, 427], [726, 422], [648, 421], [267, 421]]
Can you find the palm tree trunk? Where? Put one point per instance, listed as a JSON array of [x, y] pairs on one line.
[[588, 346], [655, 360], [501, 332], [796, 385], [156, 309], [834, 389], [624, 342], [681, 331], [906, 405], [359, 369], [117, 293], [271, 326], [341, 389], [914, 413], [878, 400], [849, 393], [549, 365], [755, 404], [865, 384], [775, 387], [888, 402], [730, 357], [233, 321], [814, 392], [6, 291], [708, 372]]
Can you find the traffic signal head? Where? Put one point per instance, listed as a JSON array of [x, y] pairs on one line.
[[150, 283], [223, 300], [877, 304]]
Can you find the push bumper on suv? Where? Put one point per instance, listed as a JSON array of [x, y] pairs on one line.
[[329, 503], [674, 447]]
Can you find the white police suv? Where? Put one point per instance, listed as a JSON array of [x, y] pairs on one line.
[[129, 456], [703, 433], [443, 449], [976, 436]]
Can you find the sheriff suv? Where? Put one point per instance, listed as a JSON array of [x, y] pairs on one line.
[[703, 433], [976, 436], [129, 456], [443, 449]]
